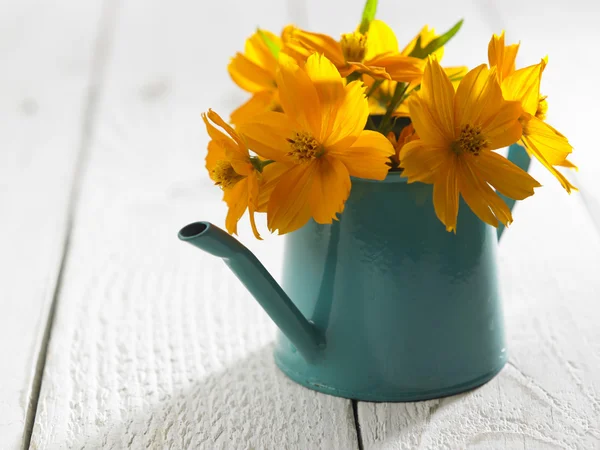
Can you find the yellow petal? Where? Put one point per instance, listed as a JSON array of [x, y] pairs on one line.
[[506, 177], [267, 135], [478, 97], [257, 51], [236, 198], [501, 56], [367, 157], [349, 117], [437, 92], [289, 206], [550, 143], [532, 148], [503, 127], [253, 198], [482, 200], [258, 103], [298, 96], [319, 43], [371, 70], [425, 123], [380, 39], [568, 164], [330, 189], [422, 162], [248, 75], [445, 194], [524, 86], [238, 155]]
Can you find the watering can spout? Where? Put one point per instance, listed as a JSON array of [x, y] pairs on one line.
[[301, 332]]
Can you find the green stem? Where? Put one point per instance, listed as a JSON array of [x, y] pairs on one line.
[[373, 87], [396, 99]]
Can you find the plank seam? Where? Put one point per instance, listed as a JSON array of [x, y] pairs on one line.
[[357, 425], [103, 44]]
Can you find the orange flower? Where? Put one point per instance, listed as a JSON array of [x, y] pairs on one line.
[[317, 143], [407, 135]]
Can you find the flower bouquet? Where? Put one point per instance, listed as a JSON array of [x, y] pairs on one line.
[[359, 149], [324, 110]]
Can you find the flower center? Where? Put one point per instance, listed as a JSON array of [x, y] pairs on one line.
[[470, 141], [224, 176], [354, 46], [542, 108], [304, 147]]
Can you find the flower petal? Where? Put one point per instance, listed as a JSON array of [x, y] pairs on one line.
[[349, 117], [249, 75], [501, 56], [319, 43], [398, 67], [504, 128], [289, 206], [438, 93], [445, 194], [258, 103], [506, 177], [257, 51], [380, 39], [524, 86], [236, 198], [426, 123], [367, 157], [330, 189], [422, 162], [478, 97], [553, 145], [271, 175], [298, 96], [267, 135], [253, 198], [215, 153]]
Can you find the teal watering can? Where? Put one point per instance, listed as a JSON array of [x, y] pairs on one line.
[[387, 305]]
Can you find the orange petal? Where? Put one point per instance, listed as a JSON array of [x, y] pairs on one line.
[[320, 43], [421, 161], [237, 200], [267, 135], [215, 153], [289, 206], [398, 67], [271, 175], [550, 143], [349, 117], [371, 70], [501, 56], [253, 198], [248, 75], [445, 194], [258, 103], [367, 157], [257, 51], [298, 96], [330, 189]]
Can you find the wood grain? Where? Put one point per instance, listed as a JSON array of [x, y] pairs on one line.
[[156, 345], [44, 84]]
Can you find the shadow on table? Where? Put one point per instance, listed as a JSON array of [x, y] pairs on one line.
[[249, 404]]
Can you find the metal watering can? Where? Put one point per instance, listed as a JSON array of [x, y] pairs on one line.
[[387, 305]]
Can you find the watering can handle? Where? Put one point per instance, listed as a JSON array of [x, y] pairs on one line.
[[518, 156]]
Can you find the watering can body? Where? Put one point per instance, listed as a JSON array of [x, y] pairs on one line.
[[384, 304]]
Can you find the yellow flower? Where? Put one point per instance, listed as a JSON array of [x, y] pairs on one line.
[[230, 167], [254, 71], [381, 97], [458, 131], [540, 139], [374, 53], [317, 142]]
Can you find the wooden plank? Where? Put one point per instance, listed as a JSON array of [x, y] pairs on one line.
[[548, 396], [156, 344], [44, 84]]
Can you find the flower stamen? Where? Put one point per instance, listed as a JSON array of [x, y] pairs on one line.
[[354, 46], [305, 148], [542, 108], [471, 140], [224, 175]]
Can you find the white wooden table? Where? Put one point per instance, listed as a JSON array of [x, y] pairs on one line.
[[115, 335]]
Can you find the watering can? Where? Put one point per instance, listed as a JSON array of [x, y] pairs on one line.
[[384, 304]]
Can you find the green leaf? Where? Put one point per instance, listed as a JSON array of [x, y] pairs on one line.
[[368, 15], [272, 46], [440, 41]]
